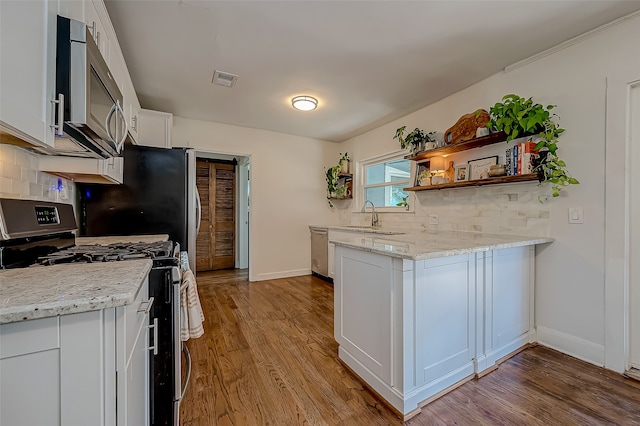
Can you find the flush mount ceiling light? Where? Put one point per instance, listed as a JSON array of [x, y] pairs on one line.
[[304, 103]]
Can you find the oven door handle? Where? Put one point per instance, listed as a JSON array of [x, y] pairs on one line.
[[187, 356], [154, 348]]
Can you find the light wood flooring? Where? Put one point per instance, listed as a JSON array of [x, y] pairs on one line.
[[268, 358]]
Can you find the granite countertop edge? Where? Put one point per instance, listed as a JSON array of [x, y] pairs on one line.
[[111, 285], [394, 246]]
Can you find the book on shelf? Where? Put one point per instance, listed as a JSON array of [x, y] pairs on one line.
[[519, 159]]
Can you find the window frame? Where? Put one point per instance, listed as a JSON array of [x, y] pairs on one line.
[[360, 182]]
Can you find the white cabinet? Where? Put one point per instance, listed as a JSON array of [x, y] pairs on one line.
[[87, 170], [331, 260], [414, 329], [29, 373], [95, 16], [88, 368], [27, 69], [506, 307], [131, 109], [155, 128]]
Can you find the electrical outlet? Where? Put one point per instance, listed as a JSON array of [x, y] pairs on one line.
[[433, 219]]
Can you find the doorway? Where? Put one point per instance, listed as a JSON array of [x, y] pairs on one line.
[[216, 240], [634, 227]]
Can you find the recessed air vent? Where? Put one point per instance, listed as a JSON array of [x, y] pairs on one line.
[[224, 78]]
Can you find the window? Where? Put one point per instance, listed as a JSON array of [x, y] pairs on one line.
[[383, 179]]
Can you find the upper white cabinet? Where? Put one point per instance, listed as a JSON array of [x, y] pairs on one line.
[[155, 128], [95, 16], [27, 69]]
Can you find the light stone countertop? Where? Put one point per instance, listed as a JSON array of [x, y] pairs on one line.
[[86, 241], [426, 244], [46, 291]]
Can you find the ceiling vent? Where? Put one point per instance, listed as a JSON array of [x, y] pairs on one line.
[[225, 79]]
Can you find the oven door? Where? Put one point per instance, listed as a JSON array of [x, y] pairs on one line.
[[165, 368]]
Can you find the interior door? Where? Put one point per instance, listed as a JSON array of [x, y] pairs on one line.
[[215, 244]]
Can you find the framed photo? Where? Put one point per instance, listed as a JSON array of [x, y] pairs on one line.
[[461, 173], [421, 168], [479, 166]]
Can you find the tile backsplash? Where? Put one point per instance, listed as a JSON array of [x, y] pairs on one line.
[[20, 178], [510, 209]]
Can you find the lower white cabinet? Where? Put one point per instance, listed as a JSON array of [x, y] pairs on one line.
[[64, 370], [413, 329], [30, 373]]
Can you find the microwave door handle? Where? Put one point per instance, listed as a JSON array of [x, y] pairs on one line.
[[120, 143], [107, 123]]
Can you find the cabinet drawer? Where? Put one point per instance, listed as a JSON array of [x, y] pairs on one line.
[[25, 337], [129, 321]]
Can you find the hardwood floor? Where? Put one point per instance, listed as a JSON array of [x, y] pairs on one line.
[[268, 358]]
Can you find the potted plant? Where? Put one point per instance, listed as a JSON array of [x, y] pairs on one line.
[[344, 162], [415, 141], [517, 117]]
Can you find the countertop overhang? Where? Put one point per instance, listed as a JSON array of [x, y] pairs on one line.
[[414, 244], [47, 291]]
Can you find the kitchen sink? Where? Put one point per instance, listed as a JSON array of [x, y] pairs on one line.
[[371, 229]]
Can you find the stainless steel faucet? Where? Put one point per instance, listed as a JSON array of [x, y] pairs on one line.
[[374, 215]]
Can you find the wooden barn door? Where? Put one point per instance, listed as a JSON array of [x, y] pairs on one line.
[[215, 245]]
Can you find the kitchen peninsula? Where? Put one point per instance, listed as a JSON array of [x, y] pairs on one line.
[[421, 312]]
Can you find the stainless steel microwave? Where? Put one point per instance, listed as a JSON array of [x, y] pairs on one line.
[[90, 121]]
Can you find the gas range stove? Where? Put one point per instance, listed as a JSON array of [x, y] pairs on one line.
[[109, 253], [34, 233]]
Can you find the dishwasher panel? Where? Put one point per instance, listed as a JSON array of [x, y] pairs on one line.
[[319, 253]]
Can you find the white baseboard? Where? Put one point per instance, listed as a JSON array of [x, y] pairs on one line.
[[282, 274], [571, 345]]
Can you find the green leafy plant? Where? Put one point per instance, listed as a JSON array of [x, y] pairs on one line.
[[413, 139], [404, 202], [332, 174], [344, 158], [518, 117]]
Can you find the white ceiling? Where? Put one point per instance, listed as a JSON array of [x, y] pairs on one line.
[[368, 62]]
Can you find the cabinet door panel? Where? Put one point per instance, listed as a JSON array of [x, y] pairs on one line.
[[444, 321], [30, 389], [27, 69]]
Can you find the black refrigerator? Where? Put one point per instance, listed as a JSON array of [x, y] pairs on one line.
[[158, 196]]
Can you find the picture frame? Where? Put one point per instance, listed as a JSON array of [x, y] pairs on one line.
[[461, 173], [477, 167], [421, 166]]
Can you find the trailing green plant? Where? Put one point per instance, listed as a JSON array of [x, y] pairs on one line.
[[332, 175], [414, 138], [518, 117]]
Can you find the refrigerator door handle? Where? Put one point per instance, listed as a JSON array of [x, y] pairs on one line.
[[199, 210]]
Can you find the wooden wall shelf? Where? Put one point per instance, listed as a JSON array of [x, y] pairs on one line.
[[462, 146], [478, 182]]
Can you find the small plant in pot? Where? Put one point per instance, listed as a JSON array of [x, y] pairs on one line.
[[344, 162], [415, 141], [518, 117]]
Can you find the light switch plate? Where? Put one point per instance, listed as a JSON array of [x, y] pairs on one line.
[[575, 215]]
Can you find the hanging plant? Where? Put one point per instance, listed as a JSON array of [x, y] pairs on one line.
[[518, 117]]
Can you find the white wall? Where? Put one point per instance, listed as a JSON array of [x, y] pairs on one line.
[[287, 190], [20, 178], [570, 305]]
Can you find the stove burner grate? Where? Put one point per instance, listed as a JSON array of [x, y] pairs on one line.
[[108, 253]]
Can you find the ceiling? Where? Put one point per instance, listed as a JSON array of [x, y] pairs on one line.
[[367, 62]]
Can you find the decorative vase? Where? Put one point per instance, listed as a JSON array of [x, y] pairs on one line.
[[344, 167]]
